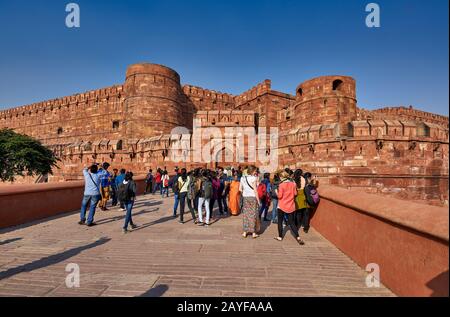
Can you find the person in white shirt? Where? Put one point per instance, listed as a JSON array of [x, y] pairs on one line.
[[250, 208]]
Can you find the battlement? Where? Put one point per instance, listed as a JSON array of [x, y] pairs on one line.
[[253, 93], [93, 95], [367, 129], [198, 92], [410, 113], [226, 118]]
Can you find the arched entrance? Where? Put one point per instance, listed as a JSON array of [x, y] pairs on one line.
[[224, 156]]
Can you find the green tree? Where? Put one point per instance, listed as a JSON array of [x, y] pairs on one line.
[[22, 155]]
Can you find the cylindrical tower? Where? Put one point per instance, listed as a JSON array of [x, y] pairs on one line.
[[326, 100], [153, 103]]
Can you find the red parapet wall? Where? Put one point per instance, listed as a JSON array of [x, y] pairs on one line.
[[409, 241], [21, 204]]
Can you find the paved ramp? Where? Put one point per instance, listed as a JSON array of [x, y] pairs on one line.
[[165, 258]]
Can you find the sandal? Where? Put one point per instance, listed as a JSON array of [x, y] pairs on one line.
[[278, 239], [244, 235], [254, 236]]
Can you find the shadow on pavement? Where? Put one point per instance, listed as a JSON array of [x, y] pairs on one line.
[[10, 241], [158, 221], [50, 260], [157, 291]]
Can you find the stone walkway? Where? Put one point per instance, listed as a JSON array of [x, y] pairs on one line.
[[165, 258]]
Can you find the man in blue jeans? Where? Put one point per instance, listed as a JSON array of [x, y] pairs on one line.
[[174, 184], [91, 195]]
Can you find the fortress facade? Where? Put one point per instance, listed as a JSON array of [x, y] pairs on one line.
[[397, 151]]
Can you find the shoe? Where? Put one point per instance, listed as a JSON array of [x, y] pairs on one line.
[[181, 222], [91, 224], [305, 230], [124, 231], [123, 209], [82, 222], [300, 241], [133, 226]]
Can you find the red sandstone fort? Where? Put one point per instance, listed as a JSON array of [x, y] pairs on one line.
[[398, 151]]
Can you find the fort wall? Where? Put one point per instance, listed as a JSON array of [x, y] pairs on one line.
[[401, 152]]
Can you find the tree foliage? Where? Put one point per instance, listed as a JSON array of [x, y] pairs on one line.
[[22, 155]]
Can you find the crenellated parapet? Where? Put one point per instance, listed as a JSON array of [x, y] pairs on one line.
[[403, 113], [198, 92], [226, 118], [393, 130], [253, 93], [103, 94]]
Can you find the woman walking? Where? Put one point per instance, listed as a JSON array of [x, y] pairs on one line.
[[287, 191], [204, 197], [184, 184], [274, 196], [165, 184], [127, 194], [248, 187], [304, 208], [234, 195]]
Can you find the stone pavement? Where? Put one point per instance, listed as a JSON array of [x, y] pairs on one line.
[[165, 258]]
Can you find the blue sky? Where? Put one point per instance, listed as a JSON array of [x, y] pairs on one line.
[[229, 46]]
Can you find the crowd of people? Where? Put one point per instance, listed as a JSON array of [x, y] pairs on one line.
[[292, 195]]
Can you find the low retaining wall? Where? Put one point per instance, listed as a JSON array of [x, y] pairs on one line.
[[408, 241], [20, 204]]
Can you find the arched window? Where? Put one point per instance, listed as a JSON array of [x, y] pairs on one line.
[[300, 92], [59, 131], [337, 84]]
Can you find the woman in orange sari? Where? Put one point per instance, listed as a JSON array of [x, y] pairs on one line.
[[234, 196]]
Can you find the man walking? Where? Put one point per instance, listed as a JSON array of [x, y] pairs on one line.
[[118, 181], [91, 195], [105, 183], [174, 184], [149, 182]]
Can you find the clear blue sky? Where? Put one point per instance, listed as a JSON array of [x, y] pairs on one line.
[[229, 46]]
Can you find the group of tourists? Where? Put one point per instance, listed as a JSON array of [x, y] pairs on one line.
[[101, 186], [291, 193]]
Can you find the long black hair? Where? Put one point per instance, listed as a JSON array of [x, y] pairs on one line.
[[129, 176], [184, 174], [298, 177]]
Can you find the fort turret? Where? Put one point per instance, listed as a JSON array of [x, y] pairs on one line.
[[153, 104], [326, 100]]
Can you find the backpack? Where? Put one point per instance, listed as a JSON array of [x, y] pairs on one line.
[[175, 185], [312, 195], [262, 189], [207, 189], [124, 193], [273, 193]]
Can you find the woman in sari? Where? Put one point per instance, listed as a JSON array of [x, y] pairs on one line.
[[234, 198], [251, 203]]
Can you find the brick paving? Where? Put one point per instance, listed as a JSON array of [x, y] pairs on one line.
[[165, 258]]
